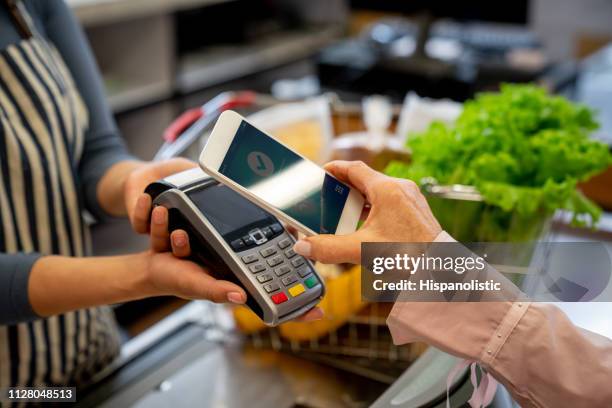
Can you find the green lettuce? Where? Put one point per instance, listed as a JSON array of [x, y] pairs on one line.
[[523, 149]]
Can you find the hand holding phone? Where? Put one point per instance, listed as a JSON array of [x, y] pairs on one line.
[[275, 177]]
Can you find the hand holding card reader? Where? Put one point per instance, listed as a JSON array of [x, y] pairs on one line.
[[240, 242]]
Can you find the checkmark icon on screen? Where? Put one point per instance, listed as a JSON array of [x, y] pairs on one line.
[[260, 163]]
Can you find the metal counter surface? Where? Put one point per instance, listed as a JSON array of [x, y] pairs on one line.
[[231, 377], [187, 361]]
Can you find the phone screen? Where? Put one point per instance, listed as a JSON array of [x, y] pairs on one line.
[[283, 179]]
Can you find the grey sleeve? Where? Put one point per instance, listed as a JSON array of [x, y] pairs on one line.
[[14, 300], [104, 145]]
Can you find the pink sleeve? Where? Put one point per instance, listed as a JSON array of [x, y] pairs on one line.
[[533, 349]]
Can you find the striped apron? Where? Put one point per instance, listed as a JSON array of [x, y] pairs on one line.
[[42, 125]]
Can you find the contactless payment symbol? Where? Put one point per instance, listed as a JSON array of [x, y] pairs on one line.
[[260, 163]]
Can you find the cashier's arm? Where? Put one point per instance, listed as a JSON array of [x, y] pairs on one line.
[[59, 284], [533, 349]]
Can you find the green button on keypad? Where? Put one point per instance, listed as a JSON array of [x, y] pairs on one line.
[[311, 282]]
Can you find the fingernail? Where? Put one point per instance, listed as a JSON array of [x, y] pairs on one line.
[[179, 240], [142, 202], [302, 247], [158, 217], [235, 297]]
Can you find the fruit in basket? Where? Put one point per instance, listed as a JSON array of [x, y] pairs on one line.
[[524, 150], [341, 301], [247, 322]]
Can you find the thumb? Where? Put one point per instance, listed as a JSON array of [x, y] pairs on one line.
[[330, 248]]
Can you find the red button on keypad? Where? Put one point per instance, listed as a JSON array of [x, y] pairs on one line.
[[279, 298]]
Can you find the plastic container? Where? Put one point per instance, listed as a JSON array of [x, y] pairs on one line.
[[462, 213]]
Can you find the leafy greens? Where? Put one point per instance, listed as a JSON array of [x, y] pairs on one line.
[[523, 149]]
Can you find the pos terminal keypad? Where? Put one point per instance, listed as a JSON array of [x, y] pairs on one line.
[[268, 254]]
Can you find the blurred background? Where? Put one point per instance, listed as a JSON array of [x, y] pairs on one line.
[[159, 58], [383, 68]]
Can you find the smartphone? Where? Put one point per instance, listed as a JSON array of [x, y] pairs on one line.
[[288, 185]]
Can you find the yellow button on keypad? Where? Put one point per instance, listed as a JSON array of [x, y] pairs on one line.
[[297, 290]]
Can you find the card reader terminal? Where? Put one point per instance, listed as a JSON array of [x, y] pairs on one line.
[[240, 242]]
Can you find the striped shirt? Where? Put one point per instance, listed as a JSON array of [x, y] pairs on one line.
[[102, 148]]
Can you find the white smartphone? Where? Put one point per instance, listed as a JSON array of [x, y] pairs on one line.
[[278, 179]]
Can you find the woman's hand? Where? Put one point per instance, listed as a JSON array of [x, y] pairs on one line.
[[123, 185], [168, 274], [398, 213], [137, 203]]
